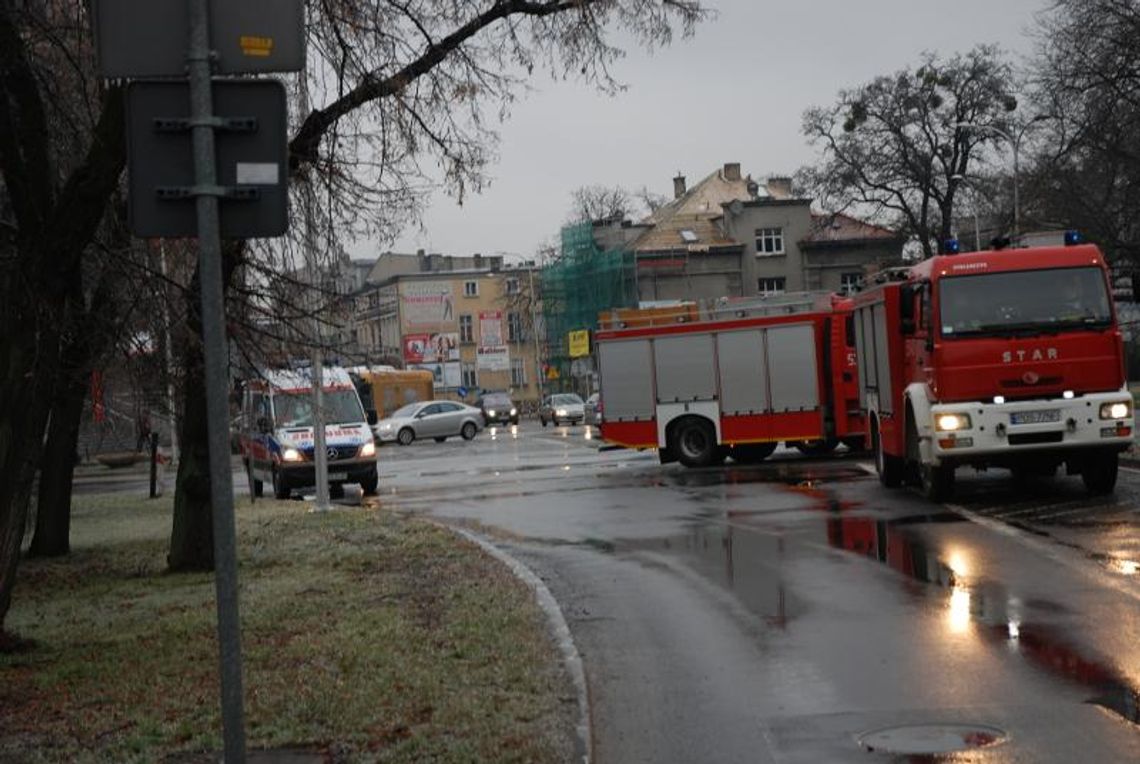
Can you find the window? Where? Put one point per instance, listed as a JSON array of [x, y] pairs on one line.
[[466, 329], [849, 282], [769, 241], [518, 372], [772, 285], [514, 327], [688, 236], [470, 288], [470, 380], [512, 286]]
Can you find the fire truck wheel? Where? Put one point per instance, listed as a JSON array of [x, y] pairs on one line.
[[937, 483], [694, 442], [890, 468], [814, 447], [751, 453], [854, 443], [1099, 473]]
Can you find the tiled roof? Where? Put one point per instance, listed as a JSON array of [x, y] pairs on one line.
[[697, 210], [839, 227]]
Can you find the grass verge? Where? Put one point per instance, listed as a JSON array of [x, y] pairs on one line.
[[366, 637]]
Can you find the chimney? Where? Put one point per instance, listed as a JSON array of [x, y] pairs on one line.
[[421, 260], [478, 258], [753, 188], [678, 186], [780, 187], [732, 171]]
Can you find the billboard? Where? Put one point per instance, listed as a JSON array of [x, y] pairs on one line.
[[444, 375], [491, 328], [493, 358], [431, 348], [427, 308]]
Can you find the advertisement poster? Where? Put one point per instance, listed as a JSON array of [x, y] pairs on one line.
[[493, 358], [444, 375], [431, 348], [427, 308], [491, 328], [579, 342]]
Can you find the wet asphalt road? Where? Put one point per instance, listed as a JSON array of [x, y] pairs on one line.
[[780, 612]]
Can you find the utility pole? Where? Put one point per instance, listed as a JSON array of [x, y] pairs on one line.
[[217, 379], [534, 331], [320, 455]]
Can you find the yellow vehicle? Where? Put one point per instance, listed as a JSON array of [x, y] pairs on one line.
[[385, 389]]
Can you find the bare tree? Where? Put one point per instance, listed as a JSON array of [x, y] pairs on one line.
[[895, 148], [401, 86], [591, 203]]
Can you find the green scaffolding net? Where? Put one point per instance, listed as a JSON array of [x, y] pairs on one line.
[[580, 284]]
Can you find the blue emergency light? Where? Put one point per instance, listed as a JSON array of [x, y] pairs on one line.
[[951, 247], [1072, 237]]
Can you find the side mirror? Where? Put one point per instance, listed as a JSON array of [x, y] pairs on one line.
[[371, 416], [264, 425], [906, 309]]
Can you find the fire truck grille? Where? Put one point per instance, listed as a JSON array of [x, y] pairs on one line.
[[1021, 383]]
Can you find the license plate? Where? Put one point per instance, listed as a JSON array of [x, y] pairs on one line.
[[338, 476], [1035, 417]]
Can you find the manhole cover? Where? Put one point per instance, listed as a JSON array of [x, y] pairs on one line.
[[931, 738]]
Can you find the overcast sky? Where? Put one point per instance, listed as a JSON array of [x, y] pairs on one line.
[[733, 93]]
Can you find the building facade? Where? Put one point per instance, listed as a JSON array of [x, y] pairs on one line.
[[468, 320]]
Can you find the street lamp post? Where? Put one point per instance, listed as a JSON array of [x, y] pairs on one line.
[[974, 206], [1016, 144]]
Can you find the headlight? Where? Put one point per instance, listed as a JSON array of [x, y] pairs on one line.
[[490, 412], [952, 422], [514, 411], [386, 426], [291, 455], [1118, 410], [368, 449], [561, 412]]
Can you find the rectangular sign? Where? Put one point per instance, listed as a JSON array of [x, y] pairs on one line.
[[579, 342], [490, 328], [431, 348], [148, 38], [160, 160], [427, 307], [444, 375], [493, 358]]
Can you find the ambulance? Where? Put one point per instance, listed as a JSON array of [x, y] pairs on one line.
[[277, 440]]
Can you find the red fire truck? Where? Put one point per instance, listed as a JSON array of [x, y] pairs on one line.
[[1010, 358], [700, 385]]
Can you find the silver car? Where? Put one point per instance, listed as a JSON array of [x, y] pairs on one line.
[[562, 408], [430, 419]]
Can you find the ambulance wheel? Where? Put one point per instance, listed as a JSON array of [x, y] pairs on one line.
[[815, 447], [1099, 473], [752, 453], [369, 483], [890, 468], [281, 488], [694, 442], [543, 420], [936, 482]]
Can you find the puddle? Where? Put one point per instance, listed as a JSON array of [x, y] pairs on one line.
[[788, 474]]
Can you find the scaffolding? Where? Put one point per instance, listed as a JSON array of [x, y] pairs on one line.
[[580, 285]]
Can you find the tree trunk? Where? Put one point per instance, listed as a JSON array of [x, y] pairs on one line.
[[192, 539], [57, 465], [23, 416]]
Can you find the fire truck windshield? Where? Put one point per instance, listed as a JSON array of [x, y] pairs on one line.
[[296, 409], [1024, 302]]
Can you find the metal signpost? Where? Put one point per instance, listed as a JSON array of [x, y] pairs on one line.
[[173, 160]]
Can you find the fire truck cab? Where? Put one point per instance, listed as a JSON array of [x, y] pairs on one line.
[[1007, 358]]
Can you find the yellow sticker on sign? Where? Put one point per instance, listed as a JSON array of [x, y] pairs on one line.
[[261, 47], [579, 342]]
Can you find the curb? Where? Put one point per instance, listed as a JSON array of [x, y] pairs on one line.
[[559, 629]]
